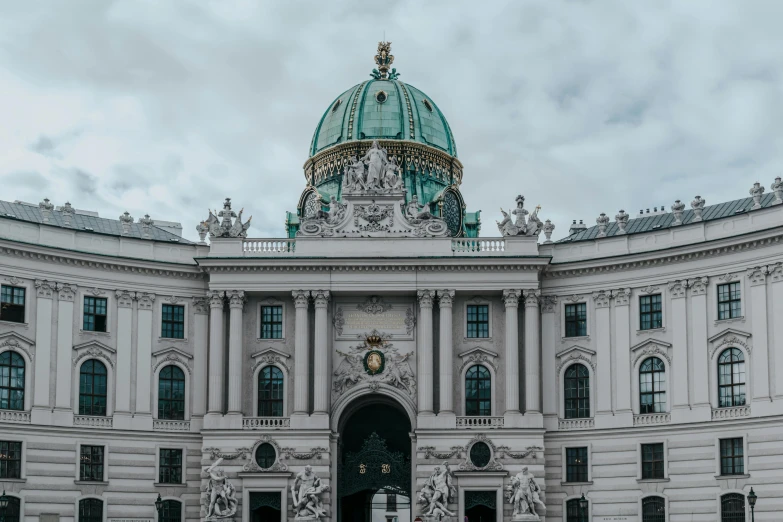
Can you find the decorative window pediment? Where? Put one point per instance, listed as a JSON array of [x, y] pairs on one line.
[[17, 342], [651, 347], [730, 337], [172, 354], [94, 349], [478, 355], [575, 353], [271, 356]]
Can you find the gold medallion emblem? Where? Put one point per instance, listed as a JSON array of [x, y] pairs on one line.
[[374, 362]]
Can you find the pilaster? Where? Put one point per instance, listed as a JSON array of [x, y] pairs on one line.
[[63, 412], [122, 413], [549, 336], [236, 304], [758, 311], [512, 415], [604, 417], [301, 357], [321, 378], [424, 353], [201, 355], [142, 417], [680, 370], [776, 287], [701, 409], [622, 354], [446, 356], [216, 304], [41, 412]]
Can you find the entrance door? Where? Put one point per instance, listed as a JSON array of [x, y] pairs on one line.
[[265, 506], [480, 506]]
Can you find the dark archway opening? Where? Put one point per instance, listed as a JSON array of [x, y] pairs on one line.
[[481, 514], [374, 455], [266, 514]]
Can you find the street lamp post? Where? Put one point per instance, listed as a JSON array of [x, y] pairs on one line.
[[159, 506], [583, 503], [752, 497], [4, 503]]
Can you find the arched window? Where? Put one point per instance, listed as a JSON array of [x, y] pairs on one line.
[[575, 513], [577, 392], [90, 510], [652, 386], [731, 378], [478, 391], [270, 392], [171, 393], [12, 511], [732, 508], [11, 381], [653, 509], [171, 511], [92, 388]]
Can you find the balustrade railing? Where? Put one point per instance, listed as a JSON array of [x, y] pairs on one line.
[[268, 247], [259, 423], [477, 422], [575, 424], [478, 246], [21, 417], [170, 425], [93, 421], [730, 413], [651, 418]]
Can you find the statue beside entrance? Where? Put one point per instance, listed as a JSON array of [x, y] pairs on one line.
[[221, 494], [437, 492], [306, 496], [524, 495]]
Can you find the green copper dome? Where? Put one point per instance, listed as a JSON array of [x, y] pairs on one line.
[[384, 109]]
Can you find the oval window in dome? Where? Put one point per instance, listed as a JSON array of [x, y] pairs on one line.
[[380, 96], [428, 105], [336, 104], [266, 456]]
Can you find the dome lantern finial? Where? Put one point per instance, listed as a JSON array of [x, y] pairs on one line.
[[383, 60]]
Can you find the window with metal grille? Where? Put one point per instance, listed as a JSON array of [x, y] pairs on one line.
[[171, 511], [94, 314], [170, 466], [576, 465], [12, 304], [270, 392], [11, 381], [10, 459], [576, 387], [576, 320], [732, 456], [91, 463], [266, 455], [732, 508], [92, 388], [272, 322], [650, 312], [652, 386], [729, 301], [171, 393], [478, 391], [173, 321], [90, 510], [575, 513], [652, 461], [731, 378], [478, 321], [12, 511], [653, 509]]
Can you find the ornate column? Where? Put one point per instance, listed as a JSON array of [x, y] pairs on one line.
[[215, 351], [511, 300], [322, 375], [549, 335], [144, 358], [200, 355], [125, 300], [236, 303], [699, 349], [776, 287], [604, 348], [680, 371], [66, 294], [622, 351], [43, 350], [301, 359], [445, 300], [532, 353], [758, 312], [424, 352]]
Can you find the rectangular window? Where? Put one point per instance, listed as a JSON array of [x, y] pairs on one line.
[[732, 457], [10, 460], [272, 322], [652, 461], [576, 465], [94, 314], [170, 466], [91, 464], [729, 301], [650, 314], [576, 320], [478, 321], [12, 304], [391, 502], [173, 322]]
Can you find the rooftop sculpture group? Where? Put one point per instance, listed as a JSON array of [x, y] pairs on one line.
[[225, 227], [375, 173], [521, 226]]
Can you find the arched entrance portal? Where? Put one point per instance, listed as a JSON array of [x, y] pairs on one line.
[[374, 462]]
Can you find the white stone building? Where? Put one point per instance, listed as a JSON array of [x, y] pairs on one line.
[[637, 363]]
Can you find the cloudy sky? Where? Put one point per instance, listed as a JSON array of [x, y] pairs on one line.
[[167, 107]]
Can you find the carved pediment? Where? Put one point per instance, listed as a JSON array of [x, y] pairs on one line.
[[651, 347], [270, 356], [576, 353], [94, 349], [172, 354], [730, 337], [478, 355], [18, 342]]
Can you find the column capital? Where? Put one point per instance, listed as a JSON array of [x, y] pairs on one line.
[[146, 299], [511, 298], [215, 298], [757, 275], [532, 297], [601, 298], [425, 298], [446, 298], [125, 298], [548, 303], [66, 291], [301, 298], [236, 298], [776, 272], [200, 305], [698, 285], [321, 298], [45, 289], [677, 288], [622, 296]]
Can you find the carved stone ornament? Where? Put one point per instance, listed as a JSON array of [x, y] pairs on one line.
[[383, 60], [651, 348], [429, 452], [677, 288], [425, 298], [306, 496], [339, 320], [622, 221], [574, 298], [14, 341], [548, 303], [46, 209], [649, 289], [472, 455], [253, 467], [777, 188], [727, 277], [521, 226], [576, 354], [226, 223], [621, 296], [125, 298], [301, 298], [698, 207], [677, 209], [15, 281], [200, 305], [530, 451], [548, 228], [66, 292], [45, 289], [67, 213], [728, 338], [532, 298], [374, 305], [216, 454], [93, 349], [146, 225], [236, 298], [758, 275], [221, 495], [396, 371], [173, 355], [438, 492], [524, 495], [776, 272], [314, 453], [445, 298], [95, 291], [268, 357], [698, 285], [756, 191], [145, 300], [601, 299], [125, 222], [478, 355], [511, 297], [602, 221]]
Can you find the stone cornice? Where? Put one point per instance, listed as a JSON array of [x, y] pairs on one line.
[[234, 265]]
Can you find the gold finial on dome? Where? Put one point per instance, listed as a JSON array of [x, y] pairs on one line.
[[383, 60]]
